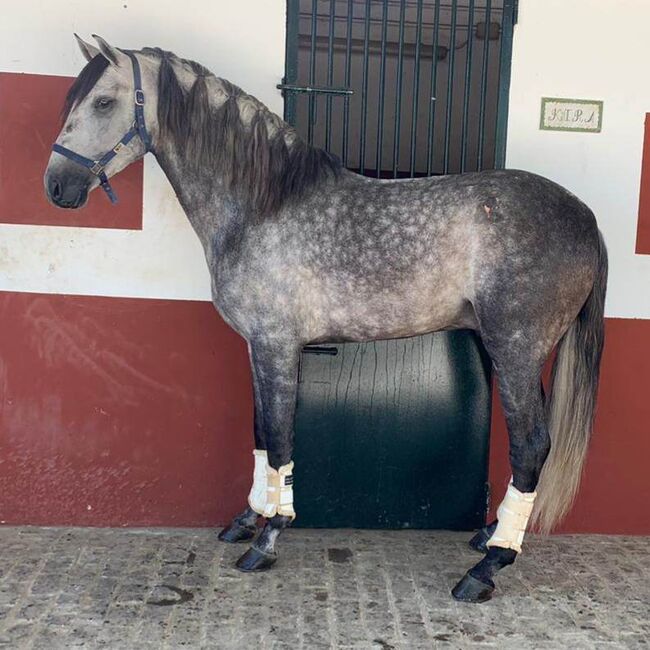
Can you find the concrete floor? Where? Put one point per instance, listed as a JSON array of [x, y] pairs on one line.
[[107, 588]]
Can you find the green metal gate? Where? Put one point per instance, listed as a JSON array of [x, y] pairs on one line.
[[395, 434]]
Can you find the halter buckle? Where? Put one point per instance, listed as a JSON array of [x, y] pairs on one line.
[[139, 97], [97, 168]]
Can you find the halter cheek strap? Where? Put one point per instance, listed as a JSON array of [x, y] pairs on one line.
[[139, 128]]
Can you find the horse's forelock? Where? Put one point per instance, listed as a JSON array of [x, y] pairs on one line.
[[84, 83]]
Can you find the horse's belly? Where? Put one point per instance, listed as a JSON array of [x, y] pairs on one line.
[[393, 314]]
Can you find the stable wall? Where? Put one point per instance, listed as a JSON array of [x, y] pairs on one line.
[[125, 399]]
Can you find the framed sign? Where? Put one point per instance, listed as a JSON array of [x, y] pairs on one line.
[[583, 115]]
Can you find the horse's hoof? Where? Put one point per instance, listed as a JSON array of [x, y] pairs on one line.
[[237, 533], [472, 590], [256, 560], [479, 541]]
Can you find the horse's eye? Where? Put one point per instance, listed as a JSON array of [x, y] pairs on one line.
[[103, 103]]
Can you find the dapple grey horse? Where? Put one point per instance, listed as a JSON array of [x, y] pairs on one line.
[[301, 250]]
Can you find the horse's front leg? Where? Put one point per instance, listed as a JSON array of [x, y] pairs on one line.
[[275, 374], [243, 527]]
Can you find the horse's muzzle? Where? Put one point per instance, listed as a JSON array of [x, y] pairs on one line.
[[67, 190]]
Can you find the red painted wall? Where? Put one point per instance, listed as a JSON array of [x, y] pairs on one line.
[[121, 412], [124, 412]]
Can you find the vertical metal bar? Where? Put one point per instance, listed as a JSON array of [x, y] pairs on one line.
[[312, 71], [416, 88], [507, 29], [364, 97], [468, 86], [484, 76], [382, 86], [291, 59], [398, 94], [434, 79], [348, 69], [330, 74], [450, 81]]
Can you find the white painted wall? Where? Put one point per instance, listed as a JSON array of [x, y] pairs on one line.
[[591, 49], [242, 41]]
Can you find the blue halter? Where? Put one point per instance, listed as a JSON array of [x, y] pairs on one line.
[[97, 167]]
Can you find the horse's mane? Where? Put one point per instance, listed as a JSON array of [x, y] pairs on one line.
[[261, 159]]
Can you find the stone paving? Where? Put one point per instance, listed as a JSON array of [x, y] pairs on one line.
[[154, 588]]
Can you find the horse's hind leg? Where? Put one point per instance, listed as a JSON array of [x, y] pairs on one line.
[[276, 376], [480, 539], [518, 371]]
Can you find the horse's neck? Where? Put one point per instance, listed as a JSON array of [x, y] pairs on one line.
[[209, 208], [209, 204]]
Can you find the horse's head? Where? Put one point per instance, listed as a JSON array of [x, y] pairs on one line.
[[104, 124]]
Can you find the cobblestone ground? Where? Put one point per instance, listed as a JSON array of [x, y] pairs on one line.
[[108, 588]]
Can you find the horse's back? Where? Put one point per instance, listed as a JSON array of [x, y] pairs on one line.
[[502, 240], [498, 219]]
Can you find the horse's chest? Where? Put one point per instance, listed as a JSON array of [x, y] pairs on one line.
[[255, 294]]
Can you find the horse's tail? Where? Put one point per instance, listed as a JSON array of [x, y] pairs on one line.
[[571, 404]]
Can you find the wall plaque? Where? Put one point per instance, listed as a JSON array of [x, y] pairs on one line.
[[559, 114]]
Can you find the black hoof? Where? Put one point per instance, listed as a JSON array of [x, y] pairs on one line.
[[255, 560], [237, 533], [471, 590]]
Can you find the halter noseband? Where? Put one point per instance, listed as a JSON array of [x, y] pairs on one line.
[[97, 167]]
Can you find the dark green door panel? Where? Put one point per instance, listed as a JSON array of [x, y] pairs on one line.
[[393, 434]]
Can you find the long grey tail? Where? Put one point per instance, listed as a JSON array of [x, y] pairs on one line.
[[571, 404]]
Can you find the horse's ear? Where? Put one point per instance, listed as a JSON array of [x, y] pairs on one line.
[[114, 56], [89, 51]]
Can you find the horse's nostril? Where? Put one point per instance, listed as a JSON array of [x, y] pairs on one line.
[[55, 188]]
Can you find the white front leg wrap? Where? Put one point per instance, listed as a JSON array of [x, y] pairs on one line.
[[512, 516], [257, 495], [272, 491]]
